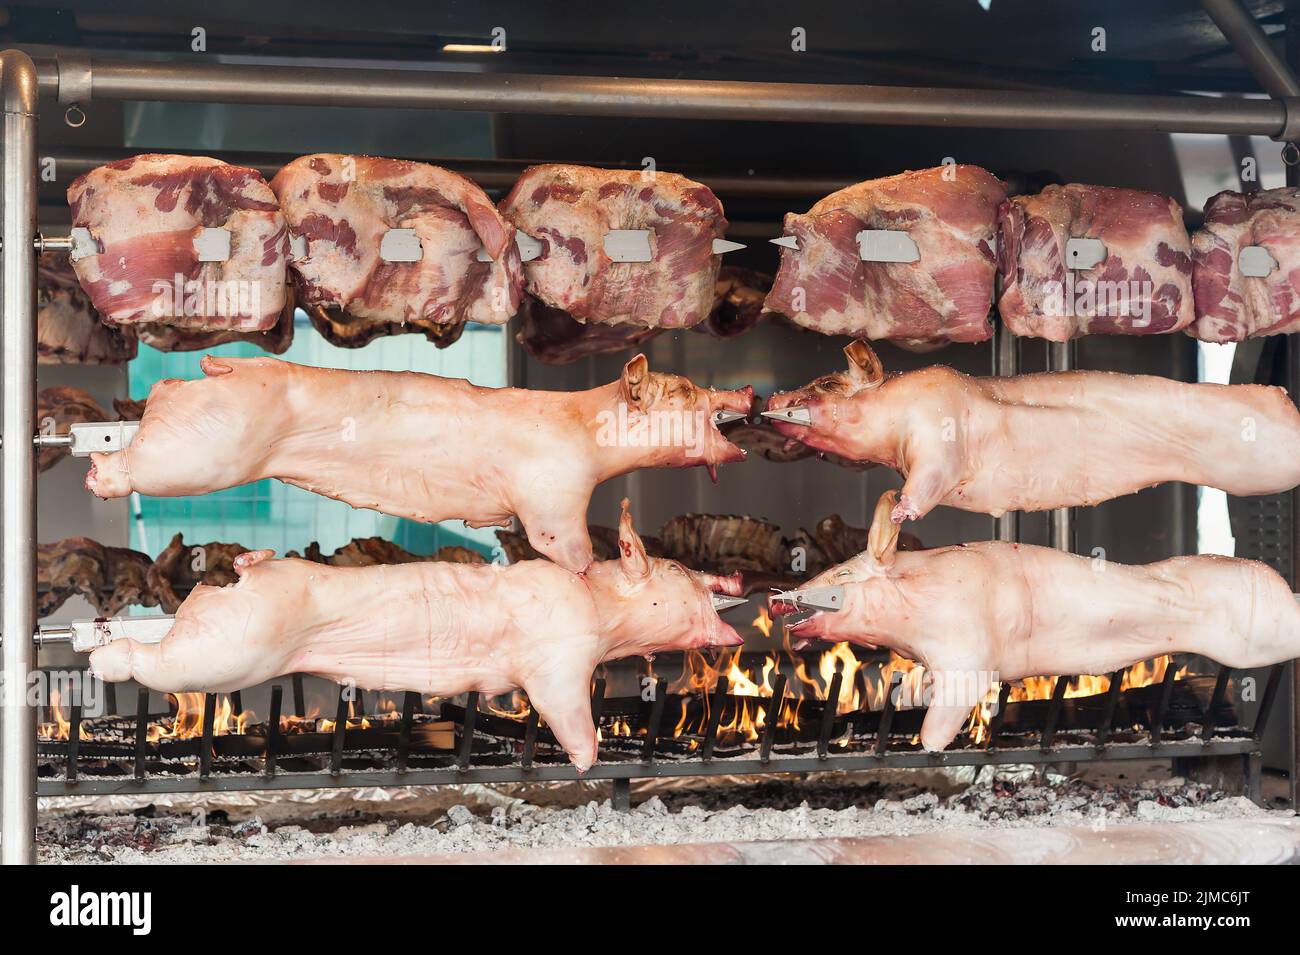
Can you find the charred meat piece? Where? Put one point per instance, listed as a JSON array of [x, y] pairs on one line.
[[347, 331], [367, 551], [1143, 286], [110, 578], [554, 336], [182, 567], [57, 409], [147, 216], [949, 212], [341, 210], [571, 209], [1232, 306], [738, 298], [68, 329]]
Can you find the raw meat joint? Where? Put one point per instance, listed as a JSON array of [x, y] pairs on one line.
[[1043, 441], [340, 208], [1230, 305], [443, 628], [1141, 286], [569, 210], [989, 611], [418, 446], [949, 212], [147, 217]]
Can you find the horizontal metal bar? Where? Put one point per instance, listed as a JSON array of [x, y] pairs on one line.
[[1184, 749], [676, 99]]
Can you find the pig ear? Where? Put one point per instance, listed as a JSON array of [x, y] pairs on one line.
[[864, 366], [631, 551], [634, 384], [882, 541]]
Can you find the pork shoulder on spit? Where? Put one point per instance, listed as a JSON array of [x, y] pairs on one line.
[[147, 215], [949, 212], [438, 628], [1142, 286], [418, 446], [571, 209], [1042, 441], [990, 611], [339, 210]]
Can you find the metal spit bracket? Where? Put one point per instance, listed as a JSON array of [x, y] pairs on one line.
[[87, 635], [887, 245], [628, 245], [1255, 261], [83, 244], [814, 598], [101, 436], [529, 248], [212, 245], [401, 245], [1084, 253]]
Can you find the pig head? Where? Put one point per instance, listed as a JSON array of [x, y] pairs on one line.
[[913, 423], [930, 606]]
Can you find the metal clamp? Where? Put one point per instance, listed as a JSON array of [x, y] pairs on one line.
[[814, 598], [1084, 253], [1255, 261], [86, 635], [91, 437]]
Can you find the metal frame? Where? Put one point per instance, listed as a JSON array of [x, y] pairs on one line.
[[77, 80]]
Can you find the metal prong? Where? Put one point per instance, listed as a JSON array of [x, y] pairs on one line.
[[1255, 261], [102, 436], [628, 245], [1083, 253], [814, 598], [297, 246], [723, 602], [795, 414], [726, 245], [87, 635], [787, 242], [212, 245], [529, 248], [401, 245], [726, 417], [887, 245]]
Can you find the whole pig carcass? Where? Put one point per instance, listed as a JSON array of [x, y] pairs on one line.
[[418, 446], [1232, 305], [68, 330], [438, 628], [1140, 285], [181, 240], [991, 611], [570, 211], [1036, 442], [385, 242], [949, 213]]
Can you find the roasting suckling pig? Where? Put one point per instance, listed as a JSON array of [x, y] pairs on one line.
[[439, 628], [1232, 305], [1035, 442], [156, 261], [991, 611], [949, 212], [1140, 284], [343, 212], [571, 209], [417, 446]]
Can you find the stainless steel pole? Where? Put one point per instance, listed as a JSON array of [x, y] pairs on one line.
[[1251, 43], [18, 91], [1060, 357], [626, 97], [1006, 362]]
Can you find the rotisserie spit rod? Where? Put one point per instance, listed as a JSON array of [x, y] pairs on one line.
[[1043, 441], [437, 628], [418, 446], [991, 611]]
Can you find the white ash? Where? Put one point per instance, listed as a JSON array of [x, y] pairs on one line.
[[767, 810]]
